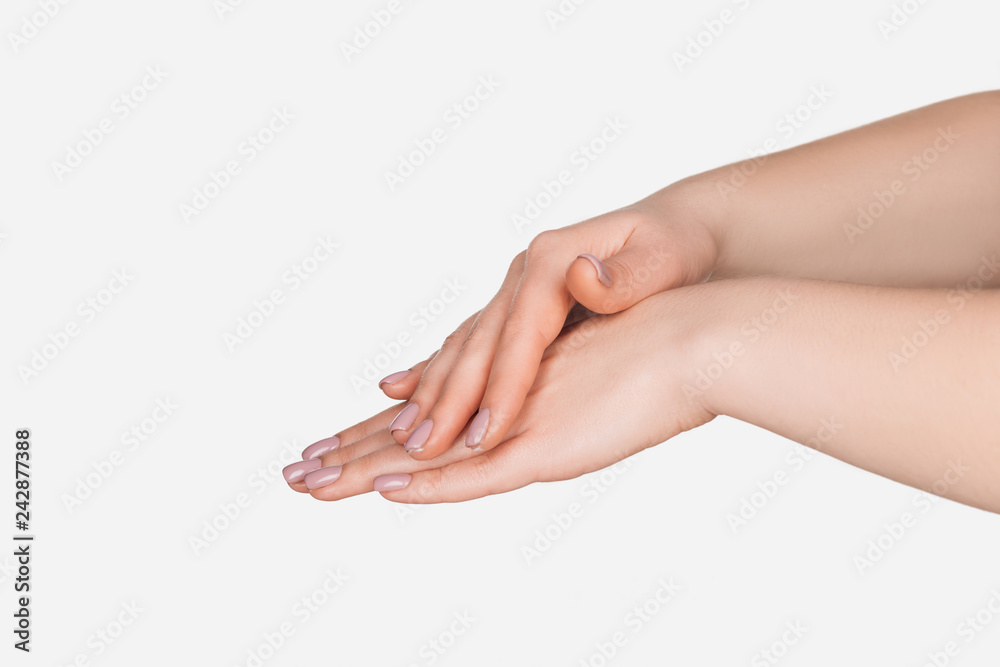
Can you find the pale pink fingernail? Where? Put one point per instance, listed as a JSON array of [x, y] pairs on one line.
[[405, 419], [318, 449], [391, 482], [317, 479], [602, 273], [419, 436], [477, 429], [394, 378], [296, 471]]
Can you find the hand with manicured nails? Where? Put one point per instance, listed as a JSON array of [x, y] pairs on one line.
[[570, 423], [795, 214], [485, 368], [826, 370], [501, 404]]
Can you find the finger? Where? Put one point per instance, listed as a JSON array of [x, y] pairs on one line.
[[499, 470], [400, 385], [357, 475], [374, 423], [537, 314], [359, 449], [429, 385], [294, 473], [463, 388], [644, 265], [299, 475]]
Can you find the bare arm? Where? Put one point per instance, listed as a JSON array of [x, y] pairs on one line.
[[901, 382], [911, 200]]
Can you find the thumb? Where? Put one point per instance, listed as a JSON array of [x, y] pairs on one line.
[[644, 266]]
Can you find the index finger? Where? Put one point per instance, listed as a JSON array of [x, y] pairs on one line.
[[537, 314]]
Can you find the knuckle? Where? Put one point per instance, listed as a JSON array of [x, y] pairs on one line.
[[476, 344], [480, 471], [543, 244], [517, 263], [338, 457], [429, 484], [458, 336], [475, 330], [521, 327], [455, 339], [432, 373], [452, 407]]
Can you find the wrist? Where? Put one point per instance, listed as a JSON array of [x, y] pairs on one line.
[[694, 203], [738, 326]]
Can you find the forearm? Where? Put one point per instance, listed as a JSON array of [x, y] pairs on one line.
[[904, 383], [912, 200]]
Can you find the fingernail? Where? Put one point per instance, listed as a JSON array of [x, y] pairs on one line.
[[477, 429], [419, 436], [405, 419], [394, 378], [391, 482], [296, 471], [602, 273], [317, 479], [318, 449]]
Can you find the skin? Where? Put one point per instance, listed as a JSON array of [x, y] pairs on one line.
[[926, 178], [578, 391], [796, 214], [646, 361], [491, 360]]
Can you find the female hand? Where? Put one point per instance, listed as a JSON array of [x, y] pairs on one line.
[[834, 366], [571, 422], [806, 212], [487, 366]]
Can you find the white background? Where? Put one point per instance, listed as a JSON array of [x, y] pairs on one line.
[[162, 336]]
